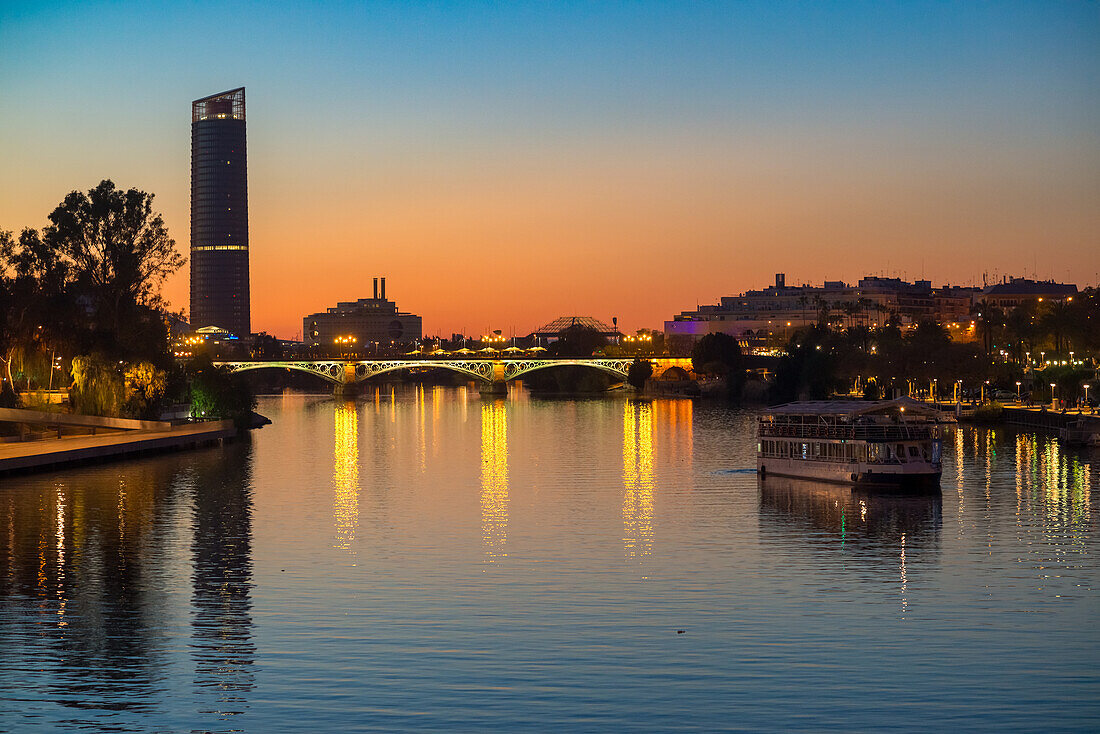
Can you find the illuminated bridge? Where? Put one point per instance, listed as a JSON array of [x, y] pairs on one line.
[[492, 374]]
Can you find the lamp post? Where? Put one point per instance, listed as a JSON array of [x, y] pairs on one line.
[[1053, 403], [1017, 391], [1086, 386]]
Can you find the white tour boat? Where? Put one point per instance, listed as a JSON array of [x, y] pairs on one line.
[[894, 443]]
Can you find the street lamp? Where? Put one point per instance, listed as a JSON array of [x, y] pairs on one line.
[[1017, 391], [1053, 406], [1086, 386]]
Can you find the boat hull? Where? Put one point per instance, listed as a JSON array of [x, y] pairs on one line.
[[915, 477]]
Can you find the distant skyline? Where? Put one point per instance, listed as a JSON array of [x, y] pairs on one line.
[[506, 164]]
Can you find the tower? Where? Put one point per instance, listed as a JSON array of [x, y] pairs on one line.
[[219, 214]]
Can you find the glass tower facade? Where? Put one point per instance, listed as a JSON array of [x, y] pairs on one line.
[[219, 214]]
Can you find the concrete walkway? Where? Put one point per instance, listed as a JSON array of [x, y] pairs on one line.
[[51, 453]]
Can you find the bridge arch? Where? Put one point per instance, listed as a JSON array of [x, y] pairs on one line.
[[341, 372], [329, 371], [675, 372], [514, 369], [477, 369]]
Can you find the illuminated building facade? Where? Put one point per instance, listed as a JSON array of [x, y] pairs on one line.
[[370, 322], [219, 214]]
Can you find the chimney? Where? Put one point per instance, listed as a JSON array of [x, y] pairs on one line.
[[376, 289], [383, 294], [780, 280]]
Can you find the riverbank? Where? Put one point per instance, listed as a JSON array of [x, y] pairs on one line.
[[29, 456]]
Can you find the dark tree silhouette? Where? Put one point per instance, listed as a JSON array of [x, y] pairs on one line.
[[640, 371], [577, 341], [119, 251]]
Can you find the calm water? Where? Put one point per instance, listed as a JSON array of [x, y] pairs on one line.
[[427, 560]]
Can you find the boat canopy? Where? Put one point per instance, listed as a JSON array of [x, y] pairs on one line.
[[853, 408]]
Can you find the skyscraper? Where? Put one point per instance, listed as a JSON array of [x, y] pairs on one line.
[[219, 214]]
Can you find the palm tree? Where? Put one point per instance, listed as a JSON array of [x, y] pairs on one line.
[[1058, 320], [1020, 329], [850, 308], [990, 318]]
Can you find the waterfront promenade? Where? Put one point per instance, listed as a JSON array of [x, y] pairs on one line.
[[55, 452]]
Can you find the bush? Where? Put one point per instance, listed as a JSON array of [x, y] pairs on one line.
[[989, 413]]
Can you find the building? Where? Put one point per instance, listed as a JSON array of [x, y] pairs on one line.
[[778, 310], [367, 323], [219, 214], [1014, 292]]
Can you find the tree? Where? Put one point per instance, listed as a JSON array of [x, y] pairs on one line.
[[119, 252], [1058, 320], [716, 354], [577, 341], [218, 393], [35, 308], [640, 371], [990, 319], [98, 386]]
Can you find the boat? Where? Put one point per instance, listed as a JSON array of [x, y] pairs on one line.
[[1081, 433], [867, 443]]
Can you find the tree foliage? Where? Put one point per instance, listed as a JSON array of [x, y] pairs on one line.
[[716, 354], [87, 283], [218, 393], [98, 386], [577, 341], [640, 371]]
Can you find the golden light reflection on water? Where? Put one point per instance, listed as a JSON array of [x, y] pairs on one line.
[[494, 478], [345, 474], [637, 479], [1053, 482]]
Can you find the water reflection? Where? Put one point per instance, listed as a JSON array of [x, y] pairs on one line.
[[76, 613], [1052, 482], [221, 622], [834, 517], [89, 582], [637, 478], [345, 474], [676, 420], [494, 478]]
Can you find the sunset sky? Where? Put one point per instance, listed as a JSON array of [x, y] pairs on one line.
[[506, 163]]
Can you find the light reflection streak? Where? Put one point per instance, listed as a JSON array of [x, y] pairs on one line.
[[637, 479], [494, 478], [59, 537], [960, 451], [904, 578], [345, 475]]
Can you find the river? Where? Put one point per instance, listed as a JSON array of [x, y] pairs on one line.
[[425, 559]]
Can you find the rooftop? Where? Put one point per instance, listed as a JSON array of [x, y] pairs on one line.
[[851, 408], [564, 322]]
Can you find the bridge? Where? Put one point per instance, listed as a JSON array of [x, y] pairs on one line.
[[492, 375]]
